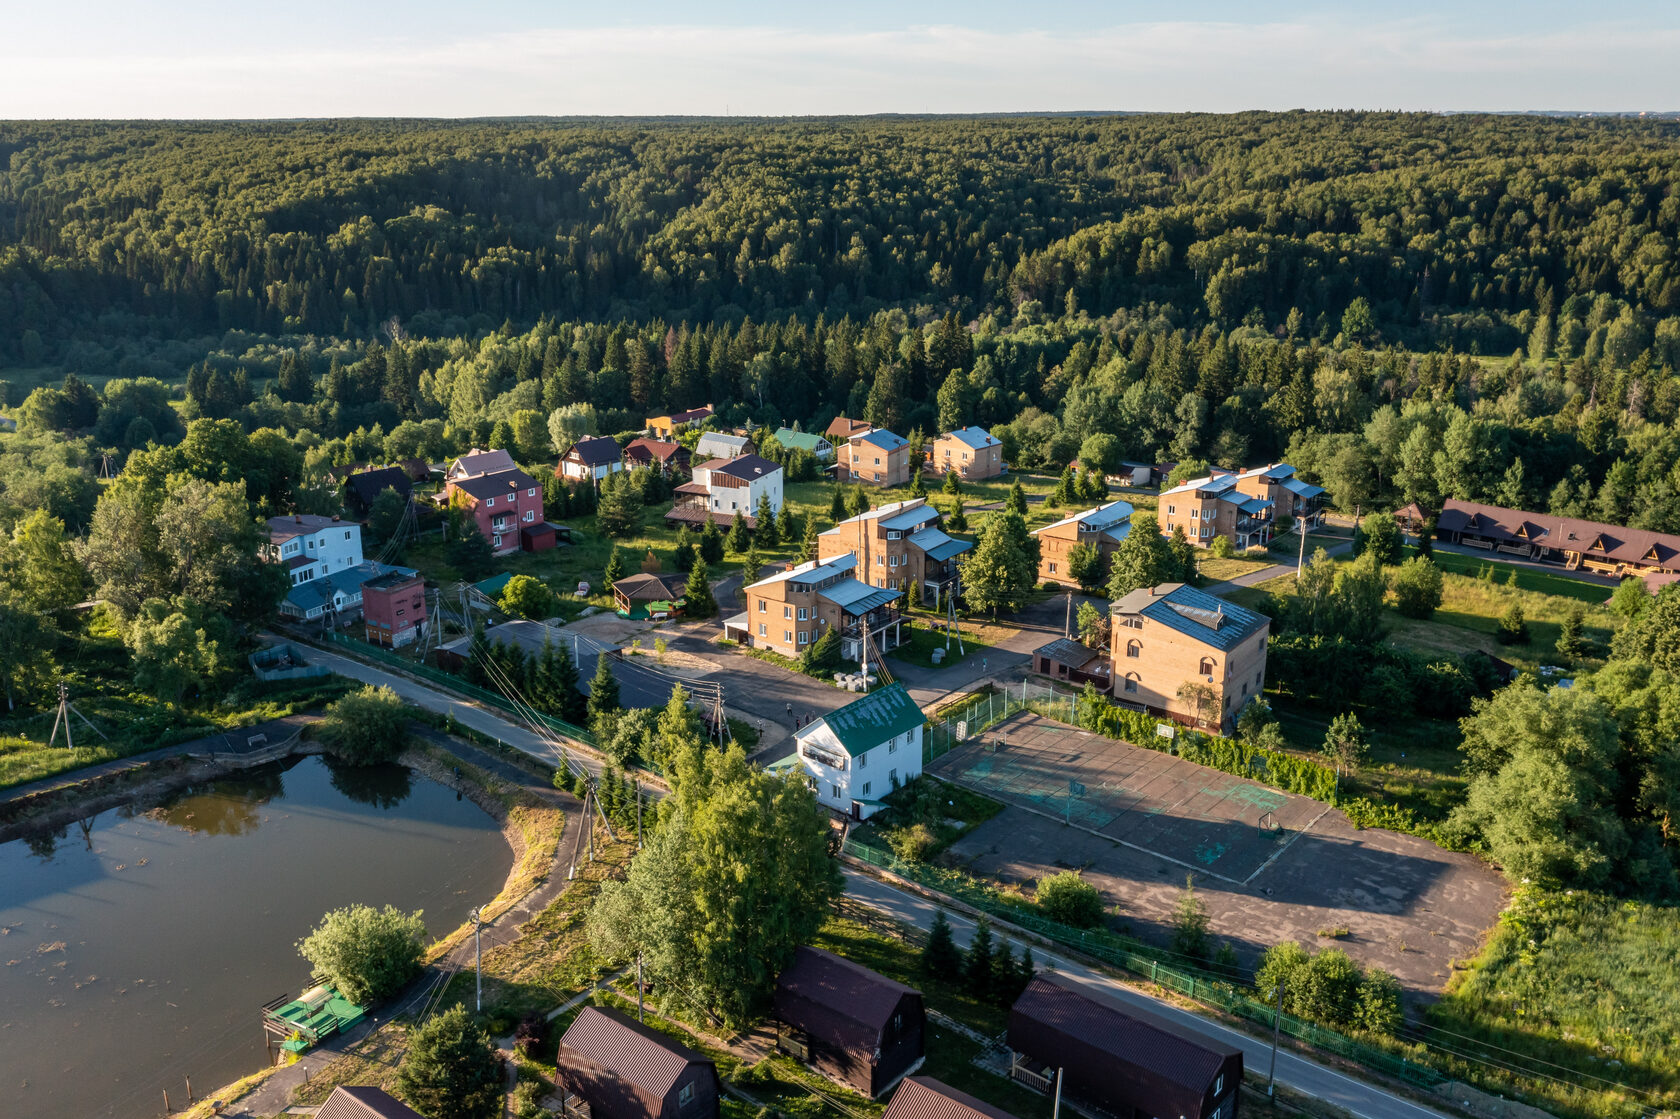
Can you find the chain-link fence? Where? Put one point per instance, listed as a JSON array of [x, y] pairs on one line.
[[1133, 956]]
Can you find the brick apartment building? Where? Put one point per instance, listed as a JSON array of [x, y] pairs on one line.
[[1103, 528], [1170, 635], [789, 612], [901, 545], [1243, 507], [394, 608], [970, 451], [507, 507], [876, 458]]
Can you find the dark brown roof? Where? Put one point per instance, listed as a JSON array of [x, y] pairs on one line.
[[651, 588], [495, 485], [642, 1057], [1127, 1033], [595, 450], [923, 1097], [1593, 539], [660, 450], [746, 467], [836, 1000], [369, 484], [364, 1103]]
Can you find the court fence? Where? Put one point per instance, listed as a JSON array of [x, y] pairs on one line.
[[1139, 959]]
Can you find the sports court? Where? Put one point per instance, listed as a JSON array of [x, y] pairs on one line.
[[1207, 821]]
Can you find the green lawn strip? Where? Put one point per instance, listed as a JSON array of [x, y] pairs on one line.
[[1528, 578], [1216, 570], [1413, 762], [921, 640], [960, 812], [955, 706]]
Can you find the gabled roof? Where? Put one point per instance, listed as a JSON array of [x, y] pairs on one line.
[[716, 444], [976, 437], [1134, 1036], [1615, 544], [1212, 621], [898, 516], [644, 1058], [347, 581], [1302, 489], [362, 1102], [937, 546], [1103, 519], [865, 723], [813, 571], [659, 450], [594, 450], [923, 1097], [835, 1000], [502, 482], [1209, 485], [746, 467], [650, 588], [843, 428], [804, 440], [885, 440], [1067, 651], [476, 461], [369, 484]]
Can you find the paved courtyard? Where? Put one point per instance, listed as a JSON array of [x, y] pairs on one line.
[[1269, 866]]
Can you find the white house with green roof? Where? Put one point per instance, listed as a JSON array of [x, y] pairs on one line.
[[821, 449], [857, 755]]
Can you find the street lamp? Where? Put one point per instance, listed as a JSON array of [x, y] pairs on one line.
[[478, 960]]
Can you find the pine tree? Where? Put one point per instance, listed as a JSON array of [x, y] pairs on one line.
[[1065, 492], [768, 532], [737, 539], [837, 507], [685, 553], [941, 958], [697, 595], [751, 564], [977, 967], [918, 488], [808, 546], [1017, 500], [603, 691], [711, 542], [958, 520], [1001, 988], [615, 568], [953, 483]]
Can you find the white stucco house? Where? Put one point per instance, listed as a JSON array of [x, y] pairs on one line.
[[313, 547], [722, 488], [857, 755]]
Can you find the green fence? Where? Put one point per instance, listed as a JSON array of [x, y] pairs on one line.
[[983, 712], [454, 683], [1124, 953]]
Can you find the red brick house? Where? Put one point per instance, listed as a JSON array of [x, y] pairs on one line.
[[394, 609], [504, 505]]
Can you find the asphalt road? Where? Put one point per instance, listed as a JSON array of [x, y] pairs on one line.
[[1299, 1073]]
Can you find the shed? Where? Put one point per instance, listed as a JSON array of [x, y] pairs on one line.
[[639, 592], [848, 1022], [624, 1070], [1124, 1060], [923, 1097], [364, 1102], [542, 536]]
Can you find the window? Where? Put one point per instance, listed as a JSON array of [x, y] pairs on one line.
[[528, 516], [1131, 682], [834, 792], [1245, 689], [1206, 667], [895, 535], [490, 501], [863, 759], [787, 611], [866, 786], [347, 534], [1218, 1087], [402, 613], [877, 462], [804, 614], [531, 493], [763, 606], [892, 778], [1171, 509], [1257, 678], [1052, 569], [496, 540], [892, 744], [1207, 530], [787, 636], [762, 631], [804, 637], [686, 1096], [1134, 648]]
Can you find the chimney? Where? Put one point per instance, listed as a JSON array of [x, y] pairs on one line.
[[297, 518], [335, 516]]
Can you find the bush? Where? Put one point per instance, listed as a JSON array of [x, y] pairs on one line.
[[367, 953], [1068, 898], [1513, 626], [1417, 588], [912, 844], [451, 1070], [1190, 923], [1222, 547], [530, 1039], [366, 727], [528, 597]]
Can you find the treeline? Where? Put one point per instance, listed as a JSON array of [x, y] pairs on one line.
[[1468, 230]]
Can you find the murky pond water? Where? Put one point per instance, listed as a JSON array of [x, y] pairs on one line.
[[138, 948]]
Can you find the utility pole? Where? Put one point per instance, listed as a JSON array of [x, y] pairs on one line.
[[1301, 557], [1067, 626], [639, 987], [478, 959], [1056, 1108], [1277, 1014]]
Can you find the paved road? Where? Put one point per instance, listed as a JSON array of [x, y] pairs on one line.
[[1363, 1100], [1276, 570]]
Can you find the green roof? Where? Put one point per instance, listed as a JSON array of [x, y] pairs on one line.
[[804, 440], [865, 723], [495, 585]]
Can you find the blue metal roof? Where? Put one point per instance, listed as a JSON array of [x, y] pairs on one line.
[[975, 437], [1105, 516], [910, 518], [1302, 489], [1212, 621], [857, 597], [885, 440], [937, 545]]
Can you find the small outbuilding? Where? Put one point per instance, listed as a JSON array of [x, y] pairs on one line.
[[923, 1097], [624, 1070], [362, 489], [1119, 1058], [848, 1022], [637, 596], [364, 1102]]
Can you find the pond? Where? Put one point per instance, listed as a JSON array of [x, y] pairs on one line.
[[138, 947]]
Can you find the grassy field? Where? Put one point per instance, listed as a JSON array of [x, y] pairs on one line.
[[1216, 570], [921, 641], [1527, 578], [1413, 762], [1585, 984]]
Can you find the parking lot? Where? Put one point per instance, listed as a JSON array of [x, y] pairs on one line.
[[1267, 865]]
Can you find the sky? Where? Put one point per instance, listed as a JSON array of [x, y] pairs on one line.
[[431, 58]]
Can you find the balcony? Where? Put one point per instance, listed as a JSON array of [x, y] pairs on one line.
[[823, 757]]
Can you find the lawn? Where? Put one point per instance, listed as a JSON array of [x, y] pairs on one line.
[[1413, 762], [1527, 578], [921, 641], [1216, 570]]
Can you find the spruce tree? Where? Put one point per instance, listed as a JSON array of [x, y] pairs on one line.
[[751, 564], [615, 568], [1017, 500], [697, 595], [953, 483], [958, 520], [684, 559], [1001, 988], [737, 539], [808, 546], [837, 507], [918, 488], [941, 958], [603, 691], [977, 967], [768, 532], [711, 542], [1066, 491]]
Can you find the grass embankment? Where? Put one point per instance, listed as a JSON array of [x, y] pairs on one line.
[[1216, 570], [955, 812], [99, 672], [1584, 988]]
